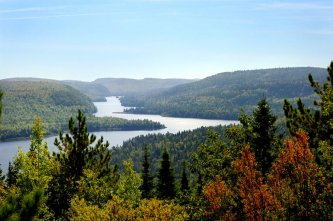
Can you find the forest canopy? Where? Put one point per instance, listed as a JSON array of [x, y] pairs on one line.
[[55, 103], [223, 95]]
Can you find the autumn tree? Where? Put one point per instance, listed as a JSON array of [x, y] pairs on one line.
[[166, 180], [256, 199], [298, 184], [220, 200]]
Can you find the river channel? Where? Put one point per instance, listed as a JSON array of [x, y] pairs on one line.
[[112, 107]]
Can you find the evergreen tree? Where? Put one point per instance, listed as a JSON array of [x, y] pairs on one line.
[[15, 208], [2, 176], [166, 181], [12, 174], [147, 184], [264, 135], [76, 153], [318, 122], [261, 134], [184, 187]]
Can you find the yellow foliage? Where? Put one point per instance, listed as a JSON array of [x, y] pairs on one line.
[[120, 209]]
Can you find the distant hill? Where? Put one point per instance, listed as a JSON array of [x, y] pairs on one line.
[[96, 92], [55, 103], [26, 99], [103, 87], [223, 95], [125, 87]]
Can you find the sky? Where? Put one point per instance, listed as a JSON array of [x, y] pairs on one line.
[[89, 39]]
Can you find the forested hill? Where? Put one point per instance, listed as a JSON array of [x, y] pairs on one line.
[[55, 103], [222, 96], [124, 86], [103, 87], [96, 92]]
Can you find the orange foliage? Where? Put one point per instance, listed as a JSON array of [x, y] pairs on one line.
[[296, 179], [295, 188], [259, 203], [219, 199]]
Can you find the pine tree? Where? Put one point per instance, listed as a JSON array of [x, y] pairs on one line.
[[261, 134], [184, 187], [75, 154], [166, 180], [12, 174], [15, 208], [317, 123], [147, 184], [264, 135]]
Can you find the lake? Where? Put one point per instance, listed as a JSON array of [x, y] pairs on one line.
[[112, 107]]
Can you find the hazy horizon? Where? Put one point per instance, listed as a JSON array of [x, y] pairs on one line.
[[138, 39]]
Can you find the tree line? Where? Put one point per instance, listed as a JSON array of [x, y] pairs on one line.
[[251, 173], [222, 96], [55, 103]]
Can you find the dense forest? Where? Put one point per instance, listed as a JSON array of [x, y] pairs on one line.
[[222, 96], [180, 146], [55, 103], [242, 172]]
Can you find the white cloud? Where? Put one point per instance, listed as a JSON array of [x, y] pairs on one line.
[[30, 9], [296, 6]]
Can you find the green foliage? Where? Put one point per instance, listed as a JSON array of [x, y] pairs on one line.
[[222, 96], [78, 150], [54, 103], [181, 145], [184, 185], [166, 181], [129, 184], [13, 171], [25, 209], [147, 179], [261, 134], [96, 190], [212, 158], [36, 166], [25, 100], [318, 122]]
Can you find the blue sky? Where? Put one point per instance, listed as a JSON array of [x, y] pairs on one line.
[[85, 40]]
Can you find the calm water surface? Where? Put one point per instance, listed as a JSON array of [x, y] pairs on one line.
[[112, 108]]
